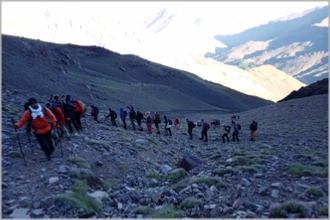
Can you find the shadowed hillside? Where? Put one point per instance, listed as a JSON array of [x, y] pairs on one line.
[[317, 88], [99, 76]]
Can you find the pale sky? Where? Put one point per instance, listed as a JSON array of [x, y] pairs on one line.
[[242, 15]]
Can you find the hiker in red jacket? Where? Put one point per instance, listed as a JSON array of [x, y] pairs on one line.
[[40, 125], [56, 110]]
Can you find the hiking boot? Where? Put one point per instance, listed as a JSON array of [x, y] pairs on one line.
[[201, 139]]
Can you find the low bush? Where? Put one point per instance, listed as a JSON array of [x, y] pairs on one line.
[[168, 211]]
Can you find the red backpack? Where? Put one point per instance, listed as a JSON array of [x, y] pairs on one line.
[[207, 125]]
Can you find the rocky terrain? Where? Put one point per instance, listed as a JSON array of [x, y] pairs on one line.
[[110, 172]]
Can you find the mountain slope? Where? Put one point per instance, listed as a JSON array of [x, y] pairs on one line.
[[317, 88], [100, 76], [296, 45]]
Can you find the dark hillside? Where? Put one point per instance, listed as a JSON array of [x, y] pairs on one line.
[[317, 88], [100, 76]]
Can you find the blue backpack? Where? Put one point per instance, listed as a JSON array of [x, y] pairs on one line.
[[170, 122]]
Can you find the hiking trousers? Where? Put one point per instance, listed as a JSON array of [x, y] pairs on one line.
[[204, 134], [113, 121], [95, 118], [133, 124], [77, 116], [223, 137], [190, 133], [235, 136], [46, 142]]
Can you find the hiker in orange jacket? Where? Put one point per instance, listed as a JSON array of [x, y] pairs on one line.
[[56, 110], [40, 125], [78, 111]]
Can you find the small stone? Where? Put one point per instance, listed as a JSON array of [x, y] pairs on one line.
[[53, 180]]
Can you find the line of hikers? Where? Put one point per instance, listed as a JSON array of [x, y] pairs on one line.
[[67, 111]]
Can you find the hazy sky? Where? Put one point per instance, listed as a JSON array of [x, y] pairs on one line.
[[242, 15]]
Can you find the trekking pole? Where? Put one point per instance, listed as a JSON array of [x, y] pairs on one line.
[[59, 140], [19, 142], [30, 144]]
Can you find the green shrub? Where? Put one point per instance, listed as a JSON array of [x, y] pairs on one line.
[[15, 154], [211, 181], [153, 175], [79, 198], [168, 211], [107, 184], [103, 144], [301, 170], [314, 192], [222, 172], [282, 210], [323, 210], [80, 162], [164, 140], [248, 169], [190, 202], [143, 210], [320, 163], [175, 174]]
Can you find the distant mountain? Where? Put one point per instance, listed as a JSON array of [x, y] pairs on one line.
[[317, 88], [296, 44]]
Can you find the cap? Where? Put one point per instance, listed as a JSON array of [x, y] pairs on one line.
[[32, 100]]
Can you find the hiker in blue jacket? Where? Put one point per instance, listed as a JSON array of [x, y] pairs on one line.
[[123, 115], [205, 128]]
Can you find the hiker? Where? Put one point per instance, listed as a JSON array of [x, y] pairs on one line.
[[113, 115], [77, 112], [65, 110], [56, 110], [157, 121], [132, 115], [236, 132], [226, 131], [94, 112], [123, 115], [191, 126], [233, 120], [149, 122], [205, 128], [70, 114], [139, 118], [37, 114], [176, 123], [168, 126], [51, 99], [253, 129], [215, 123]]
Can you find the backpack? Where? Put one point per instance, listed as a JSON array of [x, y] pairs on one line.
[[170, 122], [83, 105], [207, 125], [236, 128], [254, 126], [239, 127], [114, 114], [96, 110], [199, 123], [149, 119], [43, 109]]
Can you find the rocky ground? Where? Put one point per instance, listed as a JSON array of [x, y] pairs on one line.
[[133, 174]]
